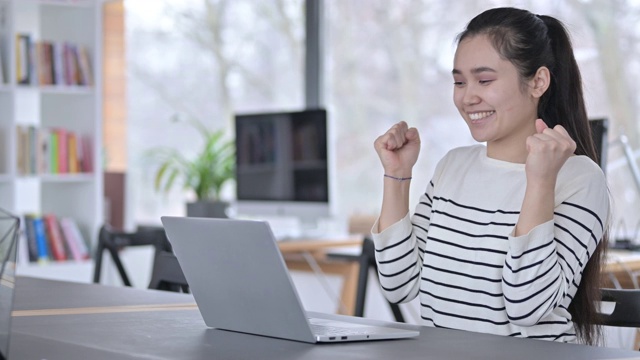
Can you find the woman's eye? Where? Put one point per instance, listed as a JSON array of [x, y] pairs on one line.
[[485, 82], [458, 83]]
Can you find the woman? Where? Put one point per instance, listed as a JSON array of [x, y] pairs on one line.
[[508, 238]]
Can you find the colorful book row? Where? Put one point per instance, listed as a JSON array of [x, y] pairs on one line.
[[52, 151], [50, 238], [51, 63]]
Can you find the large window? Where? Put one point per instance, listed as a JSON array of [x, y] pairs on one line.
[[392, 61], [385, 61], [205, 60]]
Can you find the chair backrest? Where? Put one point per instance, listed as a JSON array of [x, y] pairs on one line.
[[167, 273], [113, 241], [627, 307]]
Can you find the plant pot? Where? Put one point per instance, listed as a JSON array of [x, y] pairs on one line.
[[213, 209]]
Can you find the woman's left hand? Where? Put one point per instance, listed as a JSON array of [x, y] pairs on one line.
[[547, 151]]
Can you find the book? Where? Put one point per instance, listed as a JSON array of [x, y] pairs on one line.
[[32, 152], [40, 62], [2, 77], [41, 240], [43, 158], [23, 49], [54, 235], [86, 154], [63, 156], [71, 64], [33, 65], [58, 63], [86, 77], [53, 152], [20, 147], [72, 149], [30, 234], [75, 240]]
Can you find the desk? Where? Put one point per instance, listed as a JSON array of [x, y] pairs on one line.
[[624, 265], [303, 255], [172, 328]]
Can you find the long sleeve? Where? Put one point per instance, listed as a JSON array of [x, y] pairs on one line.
[[544, 267], [458, 255], [400, 252]]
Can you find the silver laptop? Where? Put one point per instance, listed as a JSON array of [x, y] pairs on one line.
[[241, 283]]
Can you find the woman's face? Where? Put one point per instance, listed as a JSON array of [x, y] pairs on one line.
[[489, 95]]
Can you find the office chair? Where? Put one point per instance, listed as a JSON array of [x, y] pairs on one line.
[[626, 312], [113, 241], [627, 308], [167, 273]]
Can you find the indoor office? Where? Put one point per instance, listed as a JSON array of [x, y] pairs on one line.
[[117, 113]]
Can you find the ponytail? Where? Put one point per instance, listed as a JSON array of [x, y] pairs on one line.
[[563, 103]]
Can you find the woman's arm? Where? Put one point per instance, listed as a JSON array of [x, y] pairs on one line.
[[399, 251], [548, 150], [398, 258], [543, 268], [398, 150]]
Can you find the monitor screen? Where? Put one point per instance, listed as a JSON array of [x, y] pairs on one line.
[[599, 133], [281, 163]]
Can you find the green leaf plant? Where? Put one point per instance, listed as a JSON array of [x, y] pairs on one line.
[[204, 174]]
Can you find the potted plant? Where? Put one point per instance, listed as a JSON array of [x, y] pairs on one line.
[[204, 174]]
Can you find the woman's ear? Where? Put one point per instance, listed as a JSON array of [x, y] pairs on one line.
[[540, 81]]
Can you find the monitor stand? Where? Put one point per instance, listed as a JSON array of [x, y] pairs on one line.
[[289, 228], [311, 228]]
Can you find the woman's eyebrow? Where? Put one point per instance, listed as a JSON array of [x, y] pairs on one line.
[[476, 70]]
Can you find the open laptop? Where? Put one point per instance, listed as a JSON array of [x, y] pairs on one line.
[[241, 283], [9, 231]]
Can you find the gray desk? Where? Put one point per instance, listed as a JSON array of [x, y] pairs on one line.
[[123, 323]]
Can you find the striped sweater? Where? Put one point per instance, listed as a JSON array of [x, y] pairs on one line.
[[458, 253]]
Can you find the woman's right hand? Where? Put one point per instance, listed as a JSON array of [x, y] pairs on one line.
[[398, 149]]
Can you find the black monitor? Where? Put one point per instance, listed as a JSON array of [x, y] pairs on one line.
[[599, 133], [282, 164]]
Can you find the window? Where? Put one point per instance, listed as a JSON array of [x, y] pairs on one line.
[[205, 60]]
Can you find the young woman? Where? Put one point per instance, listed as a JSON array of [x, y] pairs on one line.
[[508, 238]]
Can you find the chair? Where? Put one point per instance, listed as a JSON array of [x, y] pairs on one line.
[[113, 241], [627, 308], [167, 273], [367, 260]]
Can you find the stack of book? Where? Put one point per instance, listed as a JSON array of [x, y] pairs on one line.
[[50, 238], [51, 63], [52, 151]]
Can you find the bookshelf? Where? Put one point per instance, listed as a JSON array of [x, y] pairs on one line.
[[69, 97]]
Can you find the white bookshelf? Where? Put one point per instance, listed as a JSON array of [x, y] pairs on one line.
[[75, 108]]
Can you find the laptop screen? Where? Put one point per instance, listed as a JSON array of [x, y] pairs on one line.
[[9, 230]]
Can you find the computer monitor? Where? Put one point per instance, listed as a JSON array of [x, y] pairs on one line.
[[282, 165], [599, 133]]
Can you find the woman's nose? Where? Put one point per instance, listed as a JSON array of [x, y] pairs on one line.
[[470, 96]]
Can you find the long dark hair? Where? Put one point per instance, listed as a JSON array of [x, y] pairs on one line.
[[529, 42]]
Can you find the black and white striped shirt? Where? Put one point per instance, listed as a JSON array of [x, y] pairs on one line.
[[457, 252]]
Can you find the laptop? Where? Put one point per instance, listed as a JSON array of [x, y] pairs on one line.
[[240, 283], [9, 231]]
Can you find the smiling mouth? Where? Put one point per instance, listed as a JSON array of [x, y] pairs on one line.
[[480, 115]]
